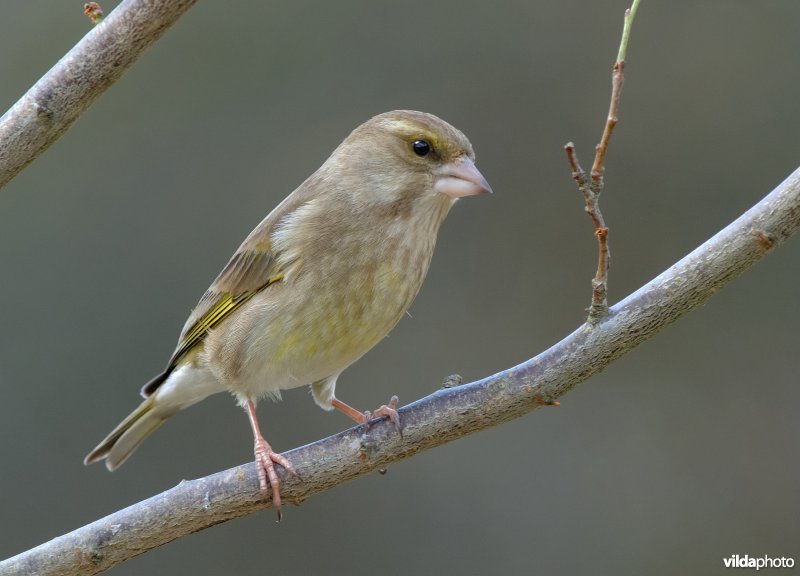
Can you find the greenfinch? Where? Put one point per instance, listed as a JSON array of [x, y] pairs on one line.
[[321, 280]]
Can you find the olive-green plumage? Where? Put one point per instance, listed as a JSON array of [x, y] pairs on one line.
[[324, 277]]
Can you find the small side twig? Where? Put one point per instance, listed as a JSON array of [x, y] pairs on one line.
[[93, 12], [591, 195], [592, 187]]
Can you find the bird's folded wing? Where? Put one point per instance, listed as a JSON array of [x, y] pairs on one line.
[[248, 272], [251, 269]]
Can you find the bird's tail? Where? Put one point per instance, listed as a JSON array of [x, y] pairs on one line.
[[126, 437]]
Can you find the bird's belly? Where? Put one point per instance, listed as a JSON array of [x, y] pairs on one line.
[[302, 341]]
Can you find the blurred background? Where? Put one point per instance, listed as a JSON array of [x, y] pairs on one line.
[[682, 453]]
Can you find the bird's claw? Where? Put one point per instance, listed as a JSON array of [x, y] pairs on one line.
[[386, 411], [268, 478]]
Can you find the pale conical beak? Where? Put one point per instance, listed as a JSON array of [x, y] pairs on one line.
[[460, 178]]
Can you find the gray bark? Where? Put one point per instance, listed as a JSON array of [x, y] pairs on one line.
[[45, 112]]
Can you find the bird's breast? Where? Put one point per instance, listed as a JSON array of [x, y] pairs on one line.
[[323, 319]]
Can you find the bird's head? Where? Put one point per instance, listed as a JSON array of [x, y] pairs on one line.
[[402, 159]]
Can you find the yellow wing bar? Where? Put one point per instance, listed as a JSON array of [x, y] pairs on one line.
[[221, 309]]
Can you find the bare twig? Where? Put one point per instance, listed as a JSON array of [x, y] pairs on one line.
[[445, 415], [630, 14], [51, 106], [599, 306], [592, 188]]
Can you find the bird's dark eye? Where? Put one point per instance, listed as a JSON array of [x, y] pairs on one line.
[[421, 147]]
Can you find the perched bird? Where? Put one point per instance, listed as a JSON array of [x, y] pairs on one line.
[[321, 280]]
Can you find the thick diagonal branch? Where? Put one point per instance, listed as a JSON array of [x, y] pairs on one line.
[[51, 106], [443, 416]]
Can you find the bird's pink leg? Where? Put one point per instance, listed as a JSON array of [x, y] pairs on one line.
[[266, 459], [386, 411]]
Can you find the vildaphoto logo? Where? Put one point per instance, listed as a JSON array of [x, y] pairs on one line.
[[757, 562]]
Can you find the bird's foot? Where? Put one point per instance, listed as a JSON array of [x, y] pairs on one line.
[[386, 411], [268, 478]]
